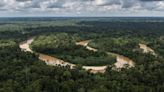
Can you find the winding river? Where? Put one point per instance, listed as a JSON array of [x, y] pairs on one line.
[[121, 60], [49, 60]]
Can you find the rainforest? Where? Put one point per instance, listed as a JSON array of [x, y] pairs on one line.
[[85, 54]]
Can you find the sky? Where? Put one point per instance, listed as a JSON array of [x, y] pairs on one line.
[[89, 8]]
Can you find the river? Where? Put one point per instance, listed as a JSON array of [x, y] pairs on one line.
[[121, 60], [49, 60]]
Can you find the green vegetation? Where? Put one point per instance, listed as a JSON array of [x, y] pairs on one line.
[[23, 72], [128, 47], [51, 43], [7, 43], [116, 45], [63, 46]]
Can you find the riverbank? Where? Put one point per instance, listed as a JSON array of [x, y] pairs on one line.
[[49, 60]]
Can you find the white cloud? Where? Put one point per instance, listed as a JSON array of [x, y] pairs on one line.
[[81, 6]]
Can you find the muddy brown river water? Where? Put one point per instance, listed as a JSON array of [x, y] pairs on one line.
[[49, 60]]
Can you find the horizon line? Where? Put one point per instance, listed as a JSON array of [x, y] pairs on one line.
[[81, 16]]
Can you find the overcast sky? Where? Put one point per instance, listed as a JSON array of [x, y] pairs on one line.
[[13, 8]]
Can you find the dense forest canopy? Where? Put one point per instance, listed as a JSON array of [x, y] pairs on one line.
[[24, 72]]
